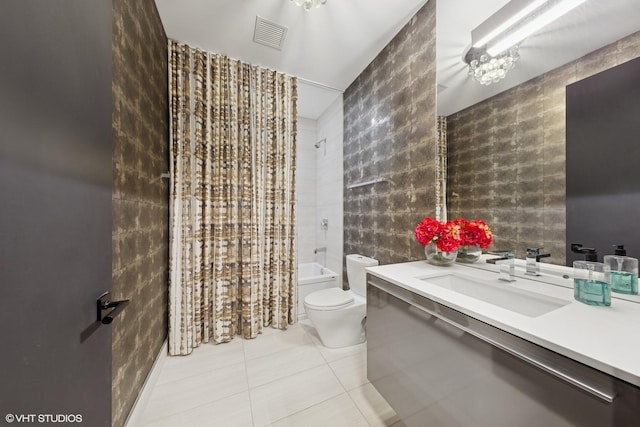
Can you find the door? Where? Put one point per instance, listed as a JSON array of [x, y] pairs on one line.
[[55, 210]]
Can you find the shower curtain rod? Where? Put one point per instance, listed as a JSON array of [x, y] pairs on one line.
[[320, 85]]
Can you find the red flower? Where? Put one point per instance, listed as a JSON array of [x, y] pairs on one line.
[[475, 232], [446, 236], [427, 230]]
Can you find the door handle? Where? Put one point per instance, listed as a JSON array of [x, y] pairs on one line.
[[115, 307]]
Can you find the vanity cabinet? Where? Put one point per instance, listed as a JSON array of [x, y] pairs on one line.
[[439, 367]]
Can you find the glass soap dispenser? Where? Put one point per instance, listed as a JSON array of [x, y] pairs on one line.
[[624, 271], [591, 281]]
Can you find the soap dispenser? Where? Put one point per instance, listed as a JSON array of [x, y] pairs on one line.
[[591, 279], [624, 271]]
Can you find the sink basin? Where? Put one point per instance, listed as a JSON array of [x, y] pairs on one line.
[[527, 303]]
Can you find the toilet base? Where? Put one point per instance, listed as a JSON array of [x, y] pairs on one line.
[[340, 328]]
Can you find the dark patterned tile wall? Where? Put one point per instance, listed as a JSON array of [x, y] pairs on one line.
[[390, 132], [506, 156], [140, 197]]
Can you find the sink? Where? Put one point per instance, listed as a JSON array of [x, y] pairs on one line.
[[520, 301]]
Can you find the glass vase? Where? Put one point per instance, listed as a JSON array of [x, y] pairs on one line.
[[468, 253], [437, 257]]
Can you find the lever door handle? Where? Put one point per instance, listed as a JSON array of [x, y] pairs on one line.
[[115, 307]]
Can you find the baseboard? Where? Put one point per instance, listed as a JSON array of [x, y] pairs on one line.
[[135, 416]]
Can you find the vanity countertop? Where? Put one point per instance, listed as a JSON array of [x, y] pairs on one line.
[[605, 338]]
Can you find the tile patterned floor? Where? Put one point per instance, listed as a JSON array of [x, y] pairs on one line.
[[282, 378]]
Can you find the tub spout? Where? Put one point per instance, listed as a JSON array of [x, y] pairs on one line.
[[322, 249]]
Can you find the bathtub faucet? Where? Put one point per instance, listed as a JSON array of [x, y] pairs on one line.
[[322, 249]]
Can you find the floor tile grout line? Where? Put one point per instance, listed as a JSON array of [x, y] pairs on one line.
[[274, 352], [246, 378], [292, 374], [281, 351], [155, 420], [288, 375], [197, 374], [307, 408], [358, 407]]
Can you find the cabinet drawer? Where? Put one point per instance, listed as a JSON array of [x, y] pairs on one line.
[[437, 366]]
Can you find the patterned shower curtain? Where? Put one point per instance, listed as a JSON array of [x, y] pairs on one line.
[[232, 228], [441, 169]]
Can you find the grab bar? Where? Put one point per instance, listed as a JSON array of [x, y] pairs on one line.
[[371, 182], [608, 397]]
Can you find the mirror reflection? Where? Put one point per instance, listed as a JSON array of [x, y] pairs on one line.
[[506, 141]]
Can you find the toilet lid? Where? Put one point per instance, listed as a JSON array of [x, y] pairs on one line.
[[328, 299]]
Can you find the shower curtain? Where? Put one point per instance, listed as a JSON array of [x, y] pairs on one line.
[[441, 169], [232, 221]]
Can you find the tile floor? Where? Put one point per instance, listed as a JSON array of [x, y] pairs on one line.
[[282, 378]]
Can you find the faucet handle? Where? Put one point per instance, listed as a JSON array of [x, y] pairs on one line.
[[533, 251]]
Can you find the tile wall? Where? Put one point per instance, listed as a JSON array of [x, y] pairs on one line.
[[306, 222], [390, 133], [329, 186]]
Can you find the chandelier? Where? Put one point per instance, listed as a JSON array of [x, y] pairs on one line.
[[309, 4], [487, 69]]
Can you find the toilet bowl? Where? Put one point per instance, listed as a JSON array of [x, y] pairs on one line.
[[338, 315]]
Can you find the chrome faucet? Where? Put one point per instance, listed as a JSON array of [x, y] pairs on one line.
[[322, 249], [533, 261], [507, 268]]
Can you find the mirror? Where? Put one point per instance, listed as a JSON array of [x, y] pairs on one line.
[[506, 141], [589, 27]]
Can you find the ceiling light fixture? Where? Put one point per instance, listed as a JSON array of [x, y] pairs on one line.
[[487, 69], [502, 20], [494, 43], [309, 4], [534, 22]]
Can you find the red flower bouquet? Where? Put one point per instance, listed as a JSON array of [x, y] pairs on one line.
[[446, 236], [475, 232]]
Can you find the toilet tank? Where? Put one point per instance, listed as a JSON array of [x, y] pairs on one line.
[[356, 275]]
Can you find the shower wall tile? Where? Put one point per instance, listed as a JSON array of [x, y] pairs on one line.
[[519, 136], [390, 132], [140, 197], [329, 192], [306, 217]]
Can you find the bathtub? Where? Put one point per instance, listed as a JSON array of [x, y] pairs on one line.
[[313, 277]]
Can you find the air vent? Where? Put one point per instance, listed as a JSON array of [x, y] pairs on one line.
[[269, 33]]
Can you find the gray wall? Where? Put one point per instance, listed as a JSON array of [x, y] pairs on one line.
[[506, 156], [390, 132], [140, 197]]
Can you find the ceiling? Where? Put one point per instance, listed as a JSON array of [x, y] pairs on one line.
[[328, 47]]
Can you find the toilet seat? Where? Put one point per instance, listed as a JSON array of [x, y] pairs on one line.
[[329, 299]]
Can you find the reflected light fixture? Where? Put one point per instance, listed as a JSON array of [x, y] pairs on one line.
[[309, 4], [487, 69], [494, 49], [536, 20]]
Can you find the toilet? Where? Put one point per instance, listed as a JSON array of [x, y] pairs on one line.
[[338, 315]]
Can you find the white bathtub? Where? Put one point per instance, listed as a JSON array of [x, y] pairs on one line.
[[313, 277]]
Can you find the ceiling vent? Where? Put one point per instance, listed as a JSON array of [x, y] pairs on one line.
[[269, 33]]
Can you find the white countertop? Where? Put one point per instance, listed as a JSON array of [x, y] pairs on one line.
[[605, 338]]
